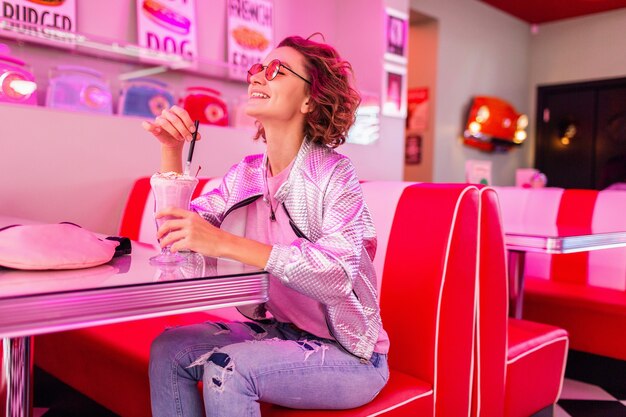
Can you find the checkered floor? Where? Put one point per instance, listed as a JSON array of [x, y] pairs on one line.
[[580, 399], [594, 386]]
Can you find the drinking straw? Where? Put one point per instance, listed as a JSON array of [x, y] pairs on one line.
[[191, 146]]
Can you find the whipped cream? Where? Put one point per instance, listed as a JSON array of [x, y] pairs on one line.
[[171, 175]]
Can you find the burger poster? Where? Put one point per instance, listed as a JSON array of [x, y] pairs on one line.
[[250, 34], [50, 19], [168, 26]]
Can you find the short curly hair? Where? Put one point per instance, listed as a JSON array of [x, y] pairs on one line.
[[333, 99]]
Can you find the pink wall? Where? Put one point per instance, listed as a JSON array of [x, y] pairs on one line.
[[423, 73], [481, 51], [63, 166]]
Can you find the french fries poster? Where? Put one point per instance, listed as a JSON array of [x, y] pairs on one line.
[[250, 34]]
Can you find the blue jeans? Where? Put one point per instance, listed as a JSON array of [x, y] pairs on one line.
[[241, 364]]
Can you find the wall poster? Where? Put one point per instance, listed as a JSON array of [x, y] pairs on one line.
[[478, 171], [413, 150], [394, 91], [49, 21], [168, 26], [397, 31], [250, 34], [417, 109]]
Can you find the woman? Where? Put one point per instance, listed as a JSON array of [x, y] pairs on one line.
[[306, 224]]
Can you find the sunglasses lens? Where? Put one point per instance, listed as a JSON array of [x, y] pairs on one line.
[[255, 69], [272, 70]]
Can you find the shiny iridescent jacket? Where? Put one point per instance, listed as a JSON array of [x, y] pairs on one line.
[[331, 260]]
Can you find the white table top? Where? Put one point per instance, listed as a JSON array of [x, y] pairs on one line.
[[126, 288]]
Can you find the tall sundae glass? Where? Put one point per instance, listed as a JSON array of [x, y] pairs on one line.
[[170, 189]]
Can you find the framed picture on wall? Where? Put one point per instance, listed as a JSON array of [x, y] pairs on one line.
[[394, 91], [413, 150], [397, 32], [417, 109]]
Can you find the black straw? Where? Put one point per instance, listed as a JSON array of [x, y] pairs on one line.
[[193, 142]]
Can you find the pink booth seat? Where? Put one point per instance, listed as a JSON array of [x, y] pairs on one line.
[[519, 364], [584, 293], [426, 257]]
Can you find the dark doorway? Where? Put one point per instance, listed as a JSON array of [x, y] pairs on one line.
[[581, 134]]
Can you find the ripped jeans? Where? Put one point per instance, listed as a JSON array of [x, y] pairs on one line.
[[241, 364]]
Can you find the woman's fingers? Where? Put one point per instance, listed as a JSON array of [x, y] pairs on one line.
[[175, 119], [186, 230], [184, 118], [149, 126], [177, 219], [174, 122], [178, 244], [171, 238], [167, 126]]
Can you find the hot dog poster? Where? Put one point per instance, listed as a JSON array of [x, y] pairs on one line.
[[250, 34], [47, 17], [168, 26]]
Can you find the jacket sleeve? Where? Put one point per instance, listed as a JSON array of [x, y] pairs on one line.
[[212, 205], [325, 269]]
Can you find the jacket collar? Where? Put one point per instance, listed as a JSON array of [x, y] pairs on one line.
[[283, 191]]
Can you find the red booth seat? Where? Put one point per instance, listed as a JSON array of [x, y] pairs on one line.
[[584, 293], [426, 257]]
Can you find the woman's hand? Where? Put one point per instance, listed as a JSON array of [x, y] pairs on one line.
[[186, 230], [172, 128]]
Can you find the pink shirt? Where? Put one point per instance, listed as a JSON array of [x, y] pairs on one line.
[[285, 304]]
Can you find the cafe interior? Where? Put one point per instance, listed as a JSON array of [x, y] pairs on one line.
[[490, 145]]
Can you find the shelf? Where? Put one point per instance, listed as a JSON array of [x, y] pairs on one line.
[[151, 61]]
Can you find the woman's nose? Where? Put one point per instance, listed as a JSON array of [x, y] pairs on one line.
[[257, 78]]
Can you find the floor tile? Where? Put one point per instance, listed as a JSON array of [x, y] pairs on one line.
[[609, 373], [577, 390], [39, 411], [559, 412], [593, 408]]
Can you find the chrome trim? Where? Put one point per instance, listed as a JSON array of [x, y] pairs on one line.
[[46, 313], [564, 244]]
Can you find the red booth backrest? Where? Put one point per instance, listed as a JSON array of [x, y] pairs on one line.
[[428, 311], [492, 311]]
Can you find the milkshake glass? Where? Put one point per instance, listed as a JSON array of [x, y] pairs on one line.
[[170, 189]]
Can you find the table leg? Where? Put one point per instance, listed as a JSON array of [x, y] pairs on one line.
[[516, 282], [16, 381]]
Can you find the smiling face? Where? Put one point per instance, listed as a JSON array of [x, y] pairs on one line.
[[285, 97]]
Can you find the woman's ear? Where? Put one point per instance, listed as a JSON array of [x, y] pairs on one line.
[[307, 106]]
